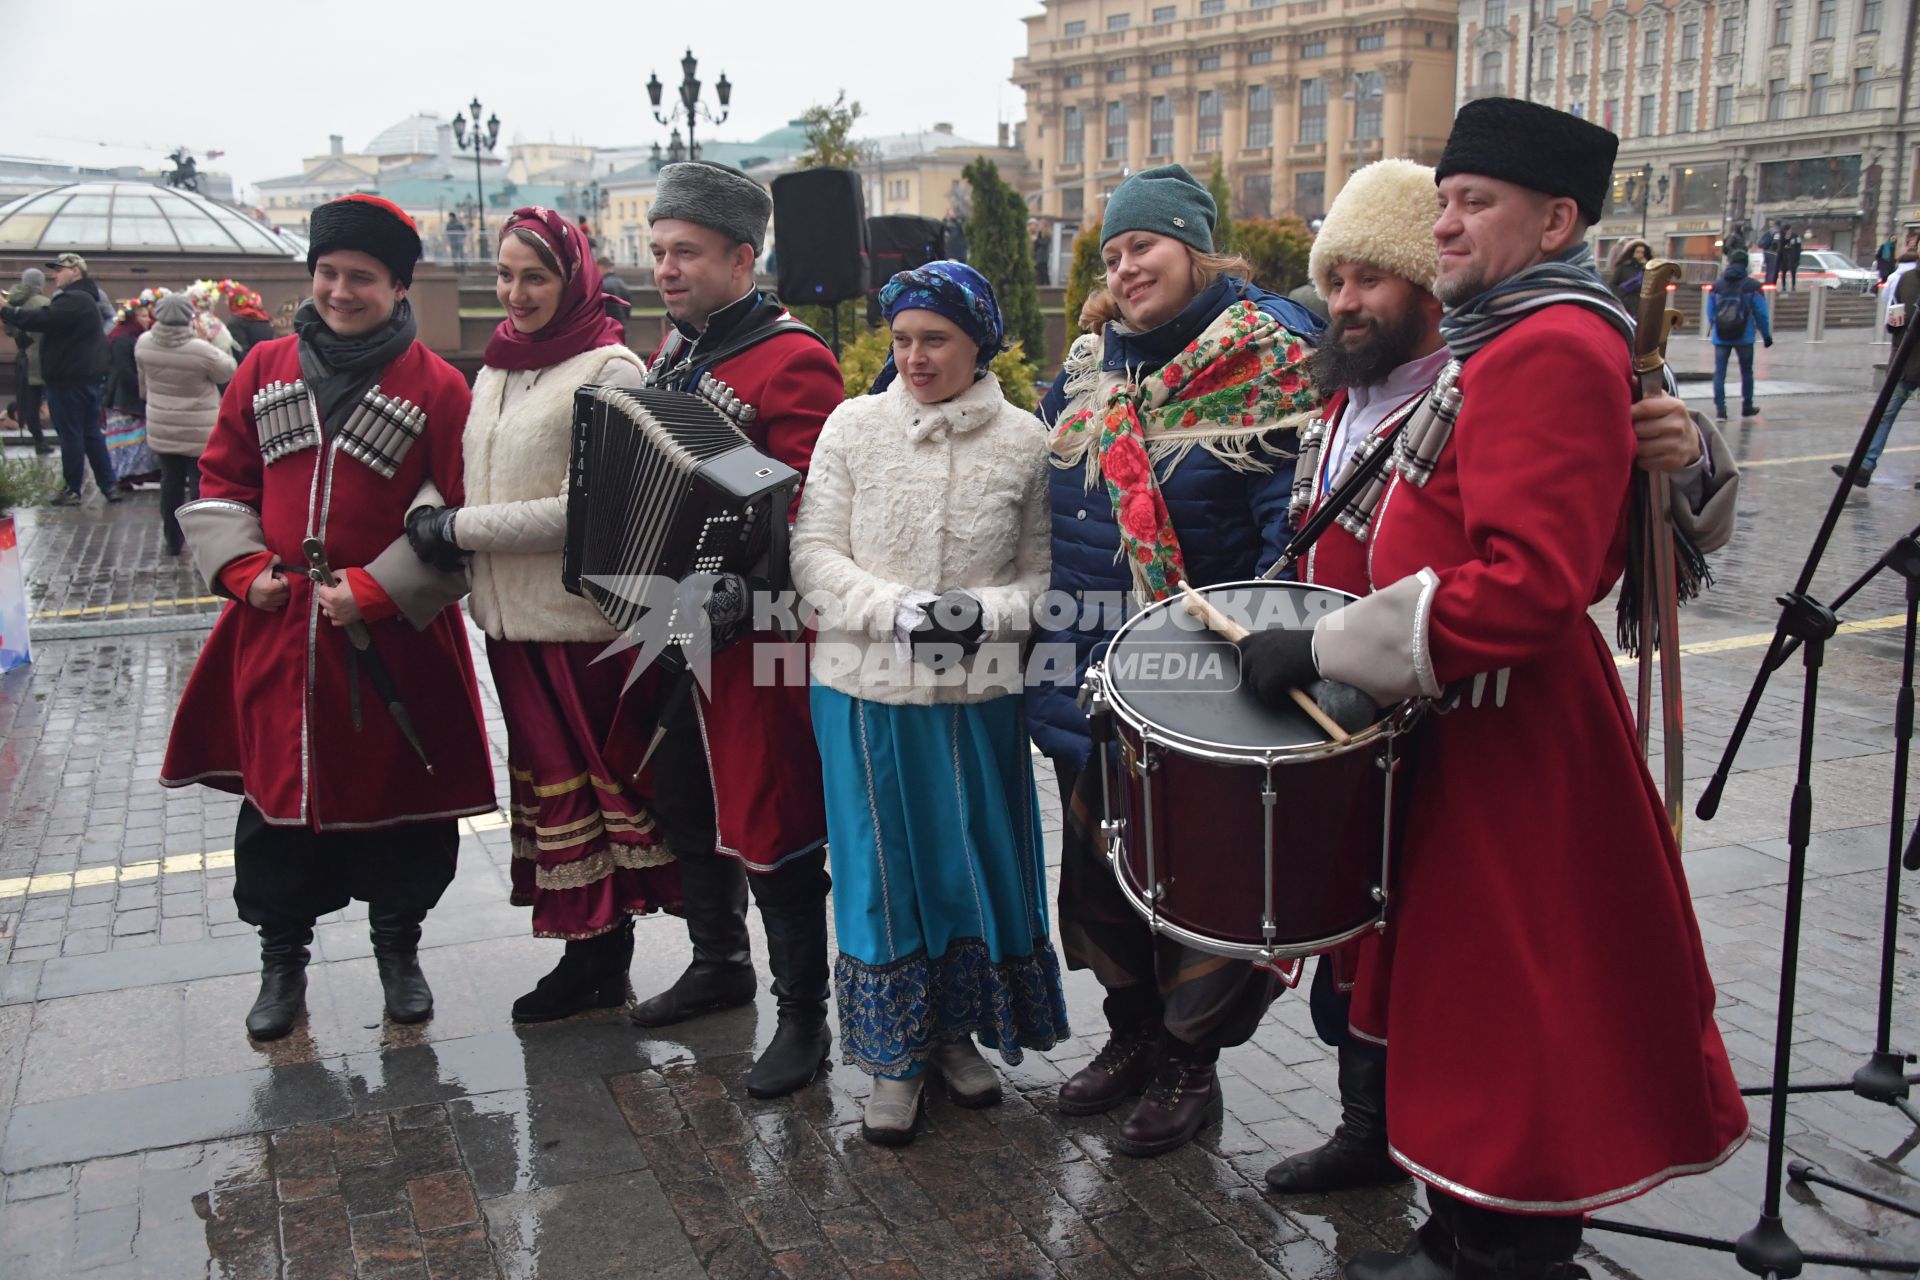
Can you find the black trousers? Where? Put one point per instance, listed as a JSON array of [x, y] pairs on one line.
[[683, 805], [179, 483], [288, 877], [1204, 1001]]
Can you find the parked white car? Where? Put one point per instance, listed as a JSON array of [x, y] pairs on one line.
[[1834, 270]]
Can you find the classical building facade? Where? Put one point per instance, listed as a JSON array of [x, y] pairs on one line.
[[1731, 113], [1290, 98]]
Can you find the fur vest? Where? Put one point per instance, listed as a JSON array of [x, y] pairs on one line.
[[517, 446]]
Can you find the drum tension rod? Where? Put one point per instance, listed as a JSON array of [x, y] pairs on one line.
[[1268, 799]]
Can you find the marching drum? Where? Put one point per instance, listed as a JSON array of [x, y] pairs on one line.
[[1234, 827]]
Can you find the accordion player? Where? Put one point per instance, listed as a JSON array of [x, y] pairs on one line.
[[664, 486]]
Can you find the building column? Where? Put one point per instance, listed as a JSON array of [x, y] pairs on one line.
[[1233, 122], [1182, 102], [1393, 132], [1286, 102], [1139, 127], [1339, 131]]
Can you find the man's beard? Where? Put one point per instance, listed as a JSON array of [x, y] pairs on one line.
[[1334, 365]]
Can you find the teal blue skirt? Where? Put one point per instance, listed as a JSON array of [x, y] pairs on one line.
[[939, 881]]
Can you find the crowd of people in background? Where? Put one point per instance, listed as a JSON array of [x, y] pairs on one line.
[[131, 389]]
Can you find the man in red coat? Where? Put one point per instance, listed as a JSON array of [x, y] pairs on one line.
[[1374, 262], [1540, 1069], [736, 782], [332, 434]]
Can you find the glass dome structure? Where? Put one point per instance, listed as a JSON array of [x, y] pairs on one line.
[[133, 217]]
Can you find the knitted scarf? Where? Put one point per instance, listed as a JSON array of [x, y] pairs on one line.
[[1236, 381]]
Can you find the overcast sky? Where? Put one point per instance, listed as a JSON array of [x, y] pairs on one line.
[[267, 80]]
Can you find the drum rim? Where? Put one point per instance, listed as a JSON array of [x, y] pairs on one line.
[[1215, 946], [1391, 725]]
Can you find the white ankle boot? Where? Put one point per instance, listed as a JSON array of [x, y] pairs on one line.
[[893, 1109], [971, 1081]]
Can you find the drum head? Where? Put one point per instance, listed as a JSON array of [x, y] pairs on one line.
[[1166, 670]]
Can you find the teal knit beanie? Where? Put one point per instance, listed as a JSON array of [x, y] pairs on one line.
[[1167, 201]]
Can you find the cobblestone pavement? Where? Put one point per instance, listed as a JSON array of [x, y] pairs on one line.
[[144, 1135]]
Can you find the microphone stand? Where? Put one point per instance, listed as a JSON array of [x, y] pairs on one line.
[[1767, 1249]]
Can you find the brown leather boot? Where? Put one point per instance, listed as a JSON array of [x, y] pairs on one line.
[[1183, 1099], [1121, 1070]]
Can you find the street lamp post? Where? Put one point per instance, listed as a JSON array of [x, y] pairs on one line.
[[597, 199], [1644, 182], [690, 108], [482, 141]]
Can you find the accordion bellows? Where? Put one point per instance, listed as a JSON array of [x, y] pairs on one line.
[[662, 486]]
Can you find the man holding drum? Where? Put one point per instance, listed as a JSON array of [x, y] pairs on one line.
[[1540, 1069]]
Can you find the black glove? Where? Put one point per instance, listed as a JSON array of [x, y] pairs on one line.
[[430, 534], [953, 627], [1276, 660], [1344, 704], [726, 600]]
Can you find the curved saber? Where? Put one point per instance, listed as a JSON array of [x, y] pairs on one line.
[[1659, 595], [362, 640]]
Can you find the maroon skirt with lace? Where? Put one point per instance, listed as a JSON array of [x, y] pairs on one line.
[[586, 852]]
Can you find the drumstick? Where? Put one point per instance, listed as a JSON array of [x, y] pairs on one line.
[[1226, 628]]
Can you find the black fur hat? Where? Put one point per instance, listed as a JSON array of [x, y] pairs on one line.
[[1535, 147], [371, 225]]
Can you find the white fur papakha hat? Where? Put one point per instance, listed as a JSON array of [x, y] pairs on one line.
[[1384, 217]]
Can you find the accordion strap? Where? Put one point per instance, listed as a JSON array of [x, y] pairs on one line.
[[769, 320]]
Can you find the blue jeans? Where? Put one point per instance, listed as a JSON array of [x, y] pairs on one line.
[[75, 410], [1745, 352], [1902, 391]]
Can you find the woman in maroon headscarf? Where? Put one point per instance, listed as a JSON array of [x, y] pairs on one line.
[[586, 856]]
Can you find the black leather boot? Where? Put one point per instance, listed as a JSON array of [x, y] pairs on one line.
[[591, 975], [283, 982], [1461, 1241], [1430, 1257], [797, 954], [1356, 1154], [714, 889], [396, 952], [1183, 1099]]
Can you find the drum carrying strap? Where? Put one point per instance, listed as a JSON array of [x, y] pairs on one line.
[[1338, 501]]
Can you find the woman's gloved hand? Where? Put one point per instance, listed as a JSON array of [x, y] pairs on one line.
[[430, 534]]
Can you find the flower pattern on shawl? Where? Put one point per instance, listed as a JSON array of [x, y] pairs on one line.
[[1245, 372]]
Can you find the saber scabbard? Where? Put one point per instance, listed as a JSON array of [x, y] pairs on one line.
[[1659, 582], [361, 638]]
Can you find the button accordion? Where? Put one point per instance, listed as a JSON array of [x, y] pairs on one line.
[[664, 486]]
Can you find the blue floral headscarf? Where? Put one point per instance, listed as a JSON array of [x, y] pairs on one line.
[[953, 290]]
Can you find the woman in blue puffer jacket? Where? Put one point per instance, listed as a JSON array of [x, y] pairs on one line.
[[1174, 398]]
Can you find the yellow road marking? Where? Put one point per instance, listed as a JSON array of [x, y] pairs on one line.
[[1822, 457], [174, 864], [177, 601], [1762, 638]]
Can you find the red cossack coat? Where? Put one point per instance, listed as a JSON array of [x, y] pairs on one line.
[[1339, 560], [1542, 980], [755, 725], [266, 713]]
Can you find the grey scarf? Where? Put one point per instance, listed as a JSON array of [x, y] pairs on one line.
[[339, 371]]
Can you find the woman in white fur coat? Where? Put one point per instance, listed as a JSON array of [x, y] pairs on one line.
[[586, 856], [923, 541]]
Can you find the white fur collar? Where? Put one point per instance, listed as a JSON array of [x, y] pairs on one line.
[[972, 408]]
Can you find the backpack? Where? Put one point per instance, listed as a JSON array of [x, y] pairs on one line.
[[1730, 313]]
